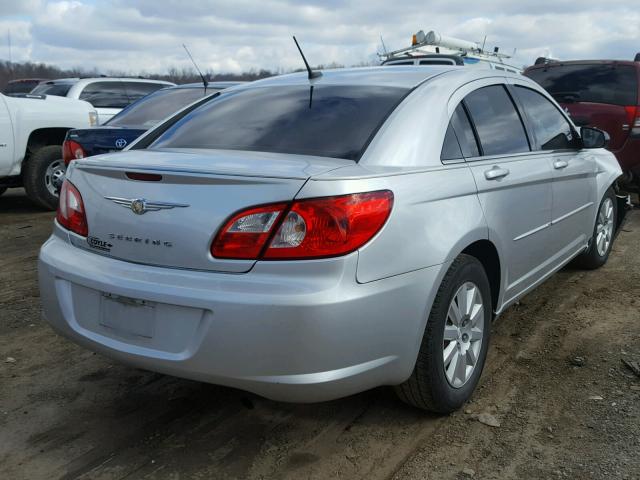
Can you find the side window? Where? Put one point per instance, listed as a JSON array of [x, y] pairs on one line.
[[437, 62], [551, 129], [137, 90], [105, 95], [450, 147], [464, 132], [500, 130]]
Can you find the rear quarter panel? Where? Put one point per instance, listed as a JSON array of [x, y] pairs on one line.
[[435, 215], [608, 171]]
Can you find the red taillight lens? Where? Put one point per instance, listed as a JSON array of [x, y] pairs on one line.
[[71, 214], [72, 151], [313, 228], [246, 233], [633, 117], [328, 227]]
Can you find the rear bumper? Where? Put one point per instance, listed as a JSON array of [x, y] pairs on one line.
[[289, 331]]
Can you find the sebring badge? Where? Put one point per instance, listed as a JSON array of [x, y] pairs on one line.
[[141, 205]]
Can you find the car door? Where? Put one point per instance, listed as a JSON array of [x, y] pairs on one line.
[[574, 171], [514, 186], [6, 140], [108, 98]]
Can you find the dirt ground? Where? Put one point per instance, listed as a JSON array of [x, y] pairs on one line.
[[567, 406]]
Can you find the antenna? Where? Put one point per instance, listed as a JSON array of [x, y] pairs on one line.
[[10, 59], [483, 42], [310, 72], [384, 47], [204, 80]]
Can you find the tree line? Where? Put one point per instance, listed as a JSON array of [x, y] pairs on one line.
[[14, 70]]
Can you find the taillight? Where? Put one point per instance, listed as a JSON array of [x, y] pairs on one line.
[[72, 150], [71, 214], [633, 119], [310, 228], [246, 233]]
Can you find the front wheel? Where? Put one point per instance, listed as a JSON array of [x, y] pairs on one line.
[[603, 232], [42, 175], [455, 341]]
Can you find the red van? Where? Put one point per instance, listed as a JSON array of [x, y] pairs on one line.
[[603, 94]]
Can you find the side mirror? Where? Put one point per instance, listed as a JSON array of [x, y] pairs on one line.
[[594, 137]]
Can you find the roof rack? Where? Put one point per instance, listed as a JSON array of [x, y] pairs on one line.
[[435, 43]]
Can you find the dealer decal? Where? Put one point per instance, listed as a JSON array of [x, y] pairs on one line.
[[98, 244]]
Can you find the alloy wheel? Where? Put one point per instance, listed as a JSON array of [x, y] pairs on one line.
[[604, 227], [463, 333]]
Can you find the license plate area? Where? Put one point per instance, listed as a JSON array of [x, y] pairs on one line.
[[127, 316]]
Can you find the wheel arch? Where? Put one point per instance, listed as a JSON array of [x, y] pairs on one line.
[[43, 137], [487, 254]]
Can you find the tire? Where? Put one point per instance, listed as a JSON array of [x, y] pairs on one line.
[[429, 387], [598, 253], [38, 177]]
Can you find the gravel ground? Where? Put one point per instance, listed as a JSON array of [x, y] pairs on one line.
[[555, 400]]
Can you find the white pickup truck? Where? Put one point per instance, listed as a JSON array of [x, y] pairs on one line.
[[32, 129]]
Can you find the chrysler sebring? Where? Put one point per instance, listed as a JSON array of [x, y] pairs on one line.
[[310, 238]]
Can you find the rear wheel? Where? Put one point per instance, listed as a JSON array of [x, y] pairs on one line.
[[603, 232], [455, 342], [43, 172]]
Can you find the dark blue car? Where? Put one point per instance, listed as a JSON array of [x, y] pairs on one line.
[[134, 120]]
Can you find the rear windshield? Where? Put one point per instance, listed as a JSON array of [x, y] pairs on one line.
[[20, 87], [149, 110], [613, 84], [56, 89], [325, 120]]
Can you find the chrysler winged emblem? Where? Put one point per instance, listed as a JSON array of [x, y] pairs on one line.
[[141, 205]]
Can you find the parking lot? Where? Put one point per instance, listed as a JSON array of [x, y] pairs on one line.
[[555, 383]]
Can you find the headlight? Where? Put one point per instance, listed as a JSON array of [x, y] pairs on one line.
[[93, 118]]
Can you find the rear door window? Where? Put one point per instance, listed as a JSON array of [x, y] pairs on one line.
[[464, 132], [105, 95], [551, 129], [325, 120], [595, 83], [56, 89], [450, 147], [498, 124]]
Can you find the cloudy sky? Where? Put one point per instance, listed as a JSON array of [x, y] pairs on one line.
[[238, 35]]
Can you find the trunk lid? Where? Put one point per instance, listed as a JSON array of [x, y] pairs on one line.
[[99, 140], [202, 189]]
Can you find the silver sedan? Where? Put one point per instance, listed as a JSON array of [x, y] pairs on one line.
[[307, 239]]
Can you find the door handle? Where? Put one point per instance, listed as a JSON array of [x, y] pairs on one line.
[[495, 173], [560, 164]]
